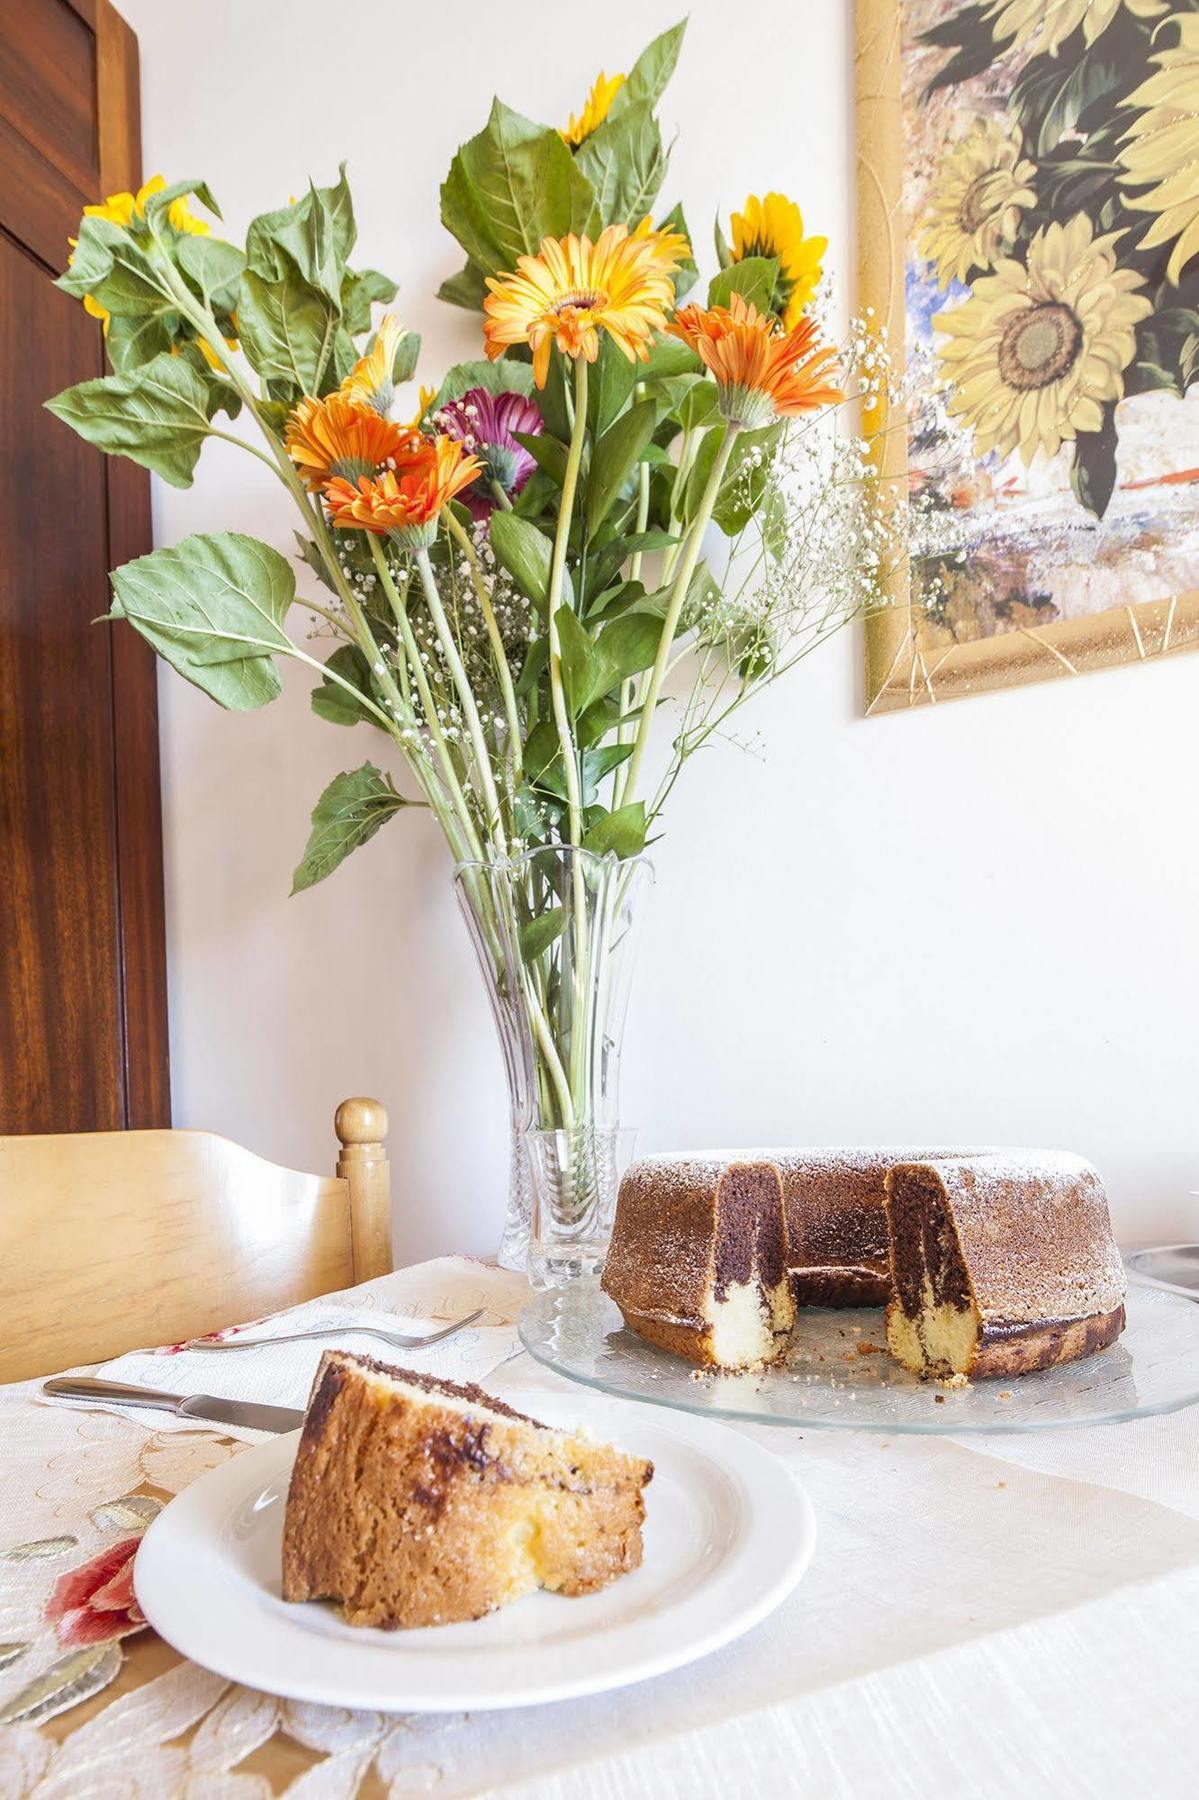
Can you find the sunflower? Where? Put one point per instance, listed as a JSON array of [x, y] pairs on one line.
[[1044, 25], [1163, 147], [573, 288], [982, 188], [773, 227], [123, 209], [369, 382], [595, 109], [1035, 352], [408, 499], [338, 437], [762, 371]]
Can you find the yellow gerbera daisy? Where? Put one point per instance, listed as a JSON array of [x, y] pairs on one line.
[[573, 288], [774, 227], [595, 109], [1035, 352], [1163, 147], [369, 382], [1044, 25], [982, 188]]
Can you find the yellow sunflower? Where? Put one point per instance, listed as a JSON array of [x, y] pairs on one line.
[[982, 188], [1162, 147], [595, 109], [573, 289], [1043, 25], [1035, 352], [774, 227], [122, 209]]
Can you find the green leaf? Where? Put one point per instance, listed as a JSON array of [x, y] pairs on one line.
[[157, 415], [610, 387], [331, 701], [724, 254], [347, 815], [622, 831], [135, 339], [360, 288], [613, 458], [746, 483], [468, 288], [687, 273], [313, 237], [630, 643], [504, 377], [213, 268], [626, 164], [287, 329], [509, 187], [754, 278], [584, 669], [407, 356], [653, 69], [525, 553], [1093, 467], [538, 934], [159, 205], [668, 357], [549, 455], [213, 607], [108, 265], [699, 406]]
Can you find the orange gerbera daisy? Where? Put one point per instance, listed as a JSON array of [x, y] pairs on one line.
[[369, 382], [573, 288], [339, 437], [408, 498], [762, 372]]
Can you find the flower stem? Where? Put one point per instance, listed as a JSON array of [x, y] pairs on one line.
[[678, 595], [570, 482], [503, 673], [460, 829], [474, 724], [500, 494]]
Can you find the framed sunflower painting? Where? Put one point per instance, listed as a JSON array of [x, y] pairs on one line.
[[1028, 178]]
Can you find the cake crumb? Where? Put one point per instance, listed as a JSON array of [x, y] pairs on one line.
[[866, 1348], [954, 1381], [940, 1399], [1001, 1484], [1005, 1394]]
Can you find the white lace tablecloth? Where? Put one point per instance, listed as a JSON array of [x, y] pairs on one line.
[[988, 1618]]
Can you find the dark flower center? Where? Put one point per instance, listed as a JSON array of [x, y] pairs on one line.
[[1039, 345], [583, 300]]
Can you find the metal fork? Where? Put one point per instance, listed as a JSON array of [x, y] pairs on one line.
[[396, 1339]]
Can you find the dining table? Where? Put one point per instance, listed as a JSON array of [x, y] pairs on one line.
[[983, 1616]]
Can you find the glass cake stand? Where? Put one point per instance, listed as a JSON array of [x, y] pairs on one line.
[[837, 1374]]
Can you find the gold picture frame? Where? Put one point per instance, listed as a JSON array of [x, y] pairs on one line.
[[903, 668]]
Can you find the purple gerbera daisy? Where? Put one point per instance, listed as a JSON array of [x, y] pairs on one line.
[[484, 423]]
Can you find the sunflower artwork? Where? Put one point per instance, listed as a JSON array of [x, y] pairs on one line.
[[1029, 226]]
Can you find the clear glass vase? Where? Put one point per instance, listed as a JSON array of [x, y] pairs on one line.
[[554, 930]]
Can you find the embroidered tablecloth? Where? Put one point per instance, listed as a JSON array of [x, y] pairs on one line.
[[983, 1617]]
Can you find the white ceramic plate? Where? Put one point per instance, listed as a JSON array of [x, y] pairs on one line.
[[728, 1534]]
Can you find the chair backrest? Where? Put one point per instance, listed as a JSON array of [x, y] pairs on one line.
[[113, 1239]]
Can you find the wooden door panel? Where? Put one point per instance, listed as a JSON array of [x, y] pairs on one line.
[[83, 1029], [60, 1012]]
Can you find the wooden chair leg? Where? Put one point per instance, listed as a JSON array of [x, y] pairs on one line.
[[361, 1127]]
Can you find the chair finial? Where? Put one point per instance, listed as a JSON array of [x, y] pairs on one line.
[[361, 1121]]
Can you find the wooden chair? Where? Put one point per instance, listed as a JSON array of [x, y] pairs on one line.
[[113, 1239]]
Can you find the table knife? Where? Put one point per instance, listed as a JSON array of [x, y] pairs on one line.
[[250, 1414]]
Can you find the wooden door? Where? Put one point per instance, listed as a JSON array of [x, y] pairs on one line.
[[83, 1036]]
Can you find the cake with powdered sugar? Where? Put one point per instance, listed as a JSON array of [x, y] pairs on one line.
[[415, 1501], [712, 1254], [1000, 1265]]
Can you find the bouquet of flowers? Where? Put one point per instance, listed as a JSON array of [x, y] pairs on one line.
[[625, 487]]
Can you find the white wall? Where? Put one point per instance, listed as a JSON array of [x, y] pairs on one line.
[[976, 922]]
